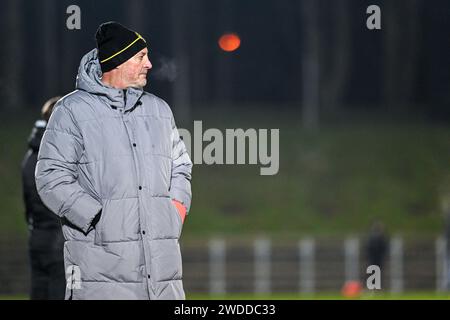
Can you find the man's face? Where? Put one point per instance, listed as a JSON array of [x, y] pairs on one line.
[[133, 72]]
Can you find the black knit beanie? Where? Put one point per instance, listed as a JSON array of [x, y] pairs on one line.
[[116, 44]]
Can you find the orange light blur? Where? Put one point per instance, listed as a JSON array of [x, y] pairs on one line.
[[229, 42]]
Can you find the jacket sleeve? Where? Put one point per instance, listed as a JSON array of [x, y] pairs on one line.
[[180, 184], [56, 171]]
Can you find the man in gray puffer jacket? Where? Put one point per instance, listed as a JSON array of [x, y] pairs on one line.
[[113, 166]]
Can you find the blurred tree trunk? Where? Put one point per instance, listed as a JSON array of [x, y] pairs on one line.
[[290, 44], [69, 60], [50, 51], [136, 15], [12, 65], [199, 50], [391, 29], [335, 75], [401, 50], [70, 57], [410, 53], [224, 59], [180, 47], [310, 66]]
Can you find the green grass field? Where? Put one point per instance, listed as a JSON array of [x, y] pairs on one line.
[[334, 182]]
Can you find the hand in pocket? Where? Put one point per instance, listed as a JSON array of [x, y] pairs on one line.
[[181, 209]]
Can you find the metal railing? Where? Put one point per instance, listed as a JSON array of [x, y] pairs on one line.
[[266, 266]]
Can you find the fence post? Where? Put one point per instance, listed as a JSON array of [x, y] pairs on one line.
[[307, 256], [441, 265], [217, 282], [351, 249], [396, 264], [262, 249]]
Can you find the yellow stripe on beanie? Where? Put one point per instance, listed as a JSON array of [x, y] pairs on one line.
[[115, 54]]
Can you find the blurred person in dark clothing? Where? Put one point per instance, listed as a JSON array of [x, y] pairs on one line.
[[45, 235], [377, 245], [446, 210]]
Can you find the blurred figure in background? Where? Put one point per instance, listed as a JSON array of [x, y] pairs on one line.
[[446, 210], [377, 245], [45, 235]]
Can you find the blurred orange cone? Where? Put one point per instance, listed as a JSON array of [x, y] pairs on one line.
[[351, 289]]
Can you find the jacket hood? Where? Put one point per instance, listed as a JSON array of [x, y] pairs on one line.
[[89, 80], [35, 138]]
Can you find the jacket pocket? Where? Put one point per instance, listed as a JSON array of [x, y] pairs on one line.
[[98, 228]]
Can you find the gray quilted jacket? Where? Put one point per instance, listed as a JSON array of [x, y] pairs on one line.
[[109, 165]]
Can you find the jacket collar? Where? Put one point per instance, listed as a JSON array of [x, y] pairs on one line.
[[89, 80]]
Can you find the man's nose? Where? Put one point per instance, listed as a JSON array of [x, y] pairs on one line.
[[148, 64]]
